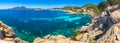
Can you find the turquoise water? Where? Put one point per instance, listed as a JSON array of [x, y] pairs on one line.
[[29, 24]]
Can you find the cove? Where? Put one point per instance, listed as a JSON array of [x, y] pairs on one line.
[[29, 24]]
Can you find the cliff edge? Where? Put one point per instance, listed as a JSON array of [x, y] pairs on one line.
[[7, 35]]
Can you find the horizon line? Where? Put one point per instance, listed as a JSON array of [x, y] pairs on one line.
[[42, 7]]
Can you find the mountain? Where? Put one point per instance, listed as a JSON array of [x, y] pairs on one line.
[[20, 8]]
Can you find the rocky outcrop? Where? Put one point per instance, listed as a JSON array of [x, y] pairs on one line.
[[116, 16], [112, 35], [7, 35], [55, 39], [105, 28]]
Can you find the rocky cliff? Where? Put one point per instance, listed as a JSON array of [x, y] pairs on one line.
[[105, 28], [7, 35]]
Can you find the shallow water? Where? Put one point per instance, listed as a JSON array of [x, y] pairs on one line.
[[29, 24]]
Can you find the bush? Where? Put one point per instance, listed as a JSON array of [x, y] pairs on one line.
[[102, 5]]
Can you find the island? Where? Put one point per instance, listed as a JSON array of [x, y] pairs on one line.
[[24, 8]]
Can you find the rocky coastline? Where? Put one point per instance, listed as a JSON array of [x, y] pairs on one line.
[[7, 35], [91, 12], [105, 28]]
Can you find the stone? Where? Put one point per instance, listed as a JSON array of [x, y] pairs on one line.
[[8, 39], [98, 32], [84, 38], [78, 36], [46, 37], [77, 42], [60, 37], [7, 35], [49, 41], [112, 35], [84, 28], [90, 25], [3, 41], [62, 41], [118, 37], [117, 32], [115, 16], [1, 28], [18, 40], [1, 35], [38, 40]]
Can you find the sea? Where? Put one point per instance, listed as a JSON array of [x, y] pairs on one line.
[[30, 24]]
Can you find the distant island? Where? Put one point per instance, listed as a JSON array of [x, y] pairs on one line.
[[24, 8]]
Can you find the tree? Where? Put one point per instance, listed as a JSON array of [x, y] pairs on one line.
[[92, 6], [113, 2], [102, 5], [89, 6]]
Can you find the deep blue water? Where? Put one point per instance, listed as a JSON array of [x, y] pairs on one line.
[[29, 24]]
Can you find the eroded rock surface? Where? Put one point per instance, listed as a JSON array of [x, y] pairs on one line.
[[105, 28], [56, 39], [7, 35]]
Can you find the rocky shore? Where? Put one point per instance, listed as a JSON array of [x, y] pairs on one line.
[[85, 11], [7, 35], [105, 28], [70, 12]]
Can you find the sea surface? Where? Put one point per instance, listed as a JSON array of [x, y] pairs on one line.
[[29, 24]]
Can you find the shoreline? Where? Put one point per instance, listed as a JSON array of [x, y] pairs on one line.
[[87, 34], [27, 41], [93, 14], [69, 12]]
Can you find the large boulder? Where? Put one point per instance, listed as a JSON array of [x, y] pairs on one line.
[[115, 16], [112, 35]]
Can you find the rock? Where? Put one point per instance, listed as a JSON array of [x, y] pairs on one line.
[[38, 40], [8, 39], [1, 28], [115, 16], [78, 37], [84, 37], [1, 35], [103, 14], [60, 37], [56, 39], [46, 37], [77, 42], [84, 28], [49, 41], [112, 35], [98, 32], [8, 35], [18, 40], [2, 41], [9, 32], [117, 31], [63, 41], [90, 25]]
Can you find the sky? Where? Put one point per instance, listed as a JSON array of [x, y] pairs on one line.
[[4, 4]]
